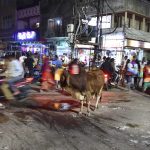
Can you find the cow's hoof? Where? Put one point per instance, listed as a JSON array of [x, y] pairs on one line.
[[80, 113], [97, 107], [88, 114]]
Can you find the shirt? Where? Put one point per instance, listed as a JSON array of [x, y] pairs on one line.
[[14, 69], [57, 63]]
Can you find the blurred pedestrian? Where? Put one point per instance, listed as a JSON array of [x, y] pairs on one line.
[[29, 65], [146, 76], [47, 80]]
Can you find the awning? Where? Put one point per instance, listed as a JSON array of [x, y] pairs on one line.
[[84, 46], [130, 33], [137, 35]]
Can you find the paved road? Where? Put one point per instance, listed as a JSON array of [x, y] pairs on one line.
[[121, 123]]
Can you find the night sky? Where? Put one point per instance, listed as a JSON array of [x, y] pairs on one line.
[[26, 3]]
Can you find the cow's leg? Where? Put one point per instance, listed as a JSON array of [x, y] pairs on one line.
[[88, 107], [98, 97], [88, 100], [81, 108]]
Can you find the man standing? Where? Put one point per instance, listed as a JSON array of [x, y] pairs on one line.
[[123, 70]]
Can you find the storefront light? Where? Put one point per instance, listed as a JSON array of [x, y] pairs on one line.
[[84, 46], [147, 45], [134, 43]]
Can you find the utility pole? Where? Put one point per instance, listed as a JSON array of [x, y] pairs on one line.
[[99, 38]]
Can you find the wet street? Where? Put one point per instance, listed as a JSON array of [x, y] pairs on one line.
[[122, 122]]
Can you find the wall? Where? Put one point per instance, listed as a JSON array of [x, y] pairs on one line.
[[7, 19], [55, 9]]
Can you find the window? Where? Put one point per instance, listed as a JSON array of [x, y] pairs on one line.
[[7, 22], [148, 27]]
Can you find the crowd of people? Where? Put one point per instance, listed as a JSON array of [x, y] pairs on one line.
[[136, 73], [18, 67], [133, 73]]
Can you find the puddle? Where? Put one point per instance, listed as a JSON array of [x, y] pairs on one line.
[[3, 118]]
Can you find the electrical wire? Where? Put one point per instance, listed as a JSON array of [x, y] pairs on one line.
[[114, 15]]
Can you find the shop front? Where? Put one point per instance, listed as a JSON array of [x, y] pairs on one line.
[[59, 46], [28, 41], [113, 46], [122, 43], [137, 48], [84, 53]]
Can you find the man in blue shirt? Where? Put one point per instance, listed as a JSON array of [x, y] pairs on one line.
[[57, 62]]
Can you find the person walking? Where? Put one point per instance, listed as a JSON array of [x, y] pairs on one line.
[[123, 71], [47, 80], [129, 73], [141, 72], [146, 76], [29, 65]]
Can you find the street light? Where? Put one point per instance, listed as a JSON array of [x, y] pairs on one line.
[[58, 22]]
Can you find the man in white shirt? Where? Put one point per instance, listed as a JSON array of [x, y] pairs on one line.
[[14, 72]]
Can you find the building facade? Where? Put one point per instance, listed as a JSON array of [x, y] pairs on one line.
[[28, 18], [55, 15], [125, 28], [7, 19]]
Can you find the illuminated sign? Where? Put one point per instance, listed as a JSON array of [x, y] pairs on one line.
[[106, 21], [28, 35]]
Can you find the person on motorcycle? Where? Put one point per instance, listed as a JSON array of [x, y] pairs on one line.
[[108, 67], [14, 72]]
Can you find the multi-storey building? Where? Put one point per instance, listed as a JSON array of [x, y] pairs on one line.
[[125, 27], [55, 15], [132, 36], [18, 16], [28, 15], [7, 19]]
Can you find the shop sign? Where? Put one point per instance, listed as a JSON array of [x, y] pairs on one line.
[[106, 21], [27, 35], [113, 40], [134, 43], [146, 45]]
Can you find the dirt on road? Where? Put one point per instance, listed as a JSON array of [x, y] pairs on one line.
[[121, 123]]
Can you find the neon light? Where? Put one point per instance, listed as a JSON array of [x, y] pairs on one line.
[[29, 35]]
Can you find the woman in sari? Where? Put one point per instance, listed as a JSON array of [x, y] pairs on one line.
[[47, 77]]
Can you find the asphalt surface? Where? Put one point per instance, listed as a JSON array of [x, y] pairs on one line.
[[122, 122]]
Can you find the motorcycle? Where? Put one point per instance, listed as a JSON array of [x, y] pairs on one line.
[[111, 80], [22, 85], [107, 82]]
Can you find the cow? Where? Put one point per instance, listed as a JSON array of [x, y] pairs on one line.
[[84, 86]]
